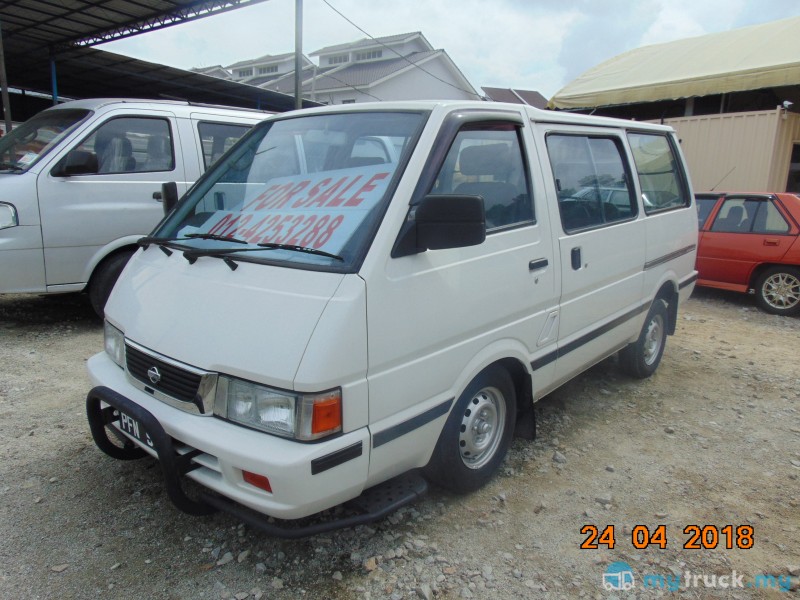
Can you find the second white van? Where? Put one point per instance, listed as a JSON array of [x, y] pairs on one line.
[[81, 182], [355, 295]]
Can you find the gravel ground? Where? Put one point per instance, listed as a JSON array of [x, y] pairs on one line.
[[712, 439]]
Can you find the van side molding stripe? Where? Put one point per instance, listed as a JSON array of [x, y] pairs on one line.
[[395, 431], [688, 281], [586, 338], [668, 257], [334, 459]]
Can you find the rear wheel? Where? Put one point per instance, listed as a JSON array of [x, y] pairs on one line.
[[641, 358], [778, 290], [104, 278], [477, 433]]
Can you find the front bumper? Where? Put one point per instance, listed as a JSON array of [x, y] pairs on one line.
[[306, 478]]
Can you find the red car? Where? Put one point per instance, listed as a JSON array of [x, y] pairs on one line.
[[750, 242]]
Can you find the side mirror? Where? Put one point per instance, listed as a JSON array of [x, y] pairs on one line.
[[76, 162], [169, 196], [440, 222]]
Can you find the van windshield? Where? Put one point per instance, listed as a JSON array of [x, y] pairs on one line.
[[306, 191], [27, 143]]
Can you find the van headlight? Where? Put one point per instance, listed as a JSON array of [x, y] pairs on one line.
[[8, 215], [287, 414], [114, 342]]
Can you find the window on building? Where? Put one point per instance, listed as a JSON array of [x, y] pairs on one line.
[[244, 72], [267, 70], [486, 160], [216, 138], [591, 179], [372, 54], [131, 144], [660, 177], [338, 60]]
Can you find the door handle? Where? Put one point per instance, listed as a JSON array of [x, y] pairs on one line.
[[539, 263], [157, 196], [772, 242], [576, 258]]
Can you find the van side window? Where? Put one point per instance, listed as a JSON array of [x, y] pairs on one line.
[[486, 160], [591, 177], [129, 145], [660, 178], [216, 138]]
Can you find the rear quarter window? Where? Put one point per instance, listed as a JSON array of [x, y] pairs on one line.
[[661, 176]]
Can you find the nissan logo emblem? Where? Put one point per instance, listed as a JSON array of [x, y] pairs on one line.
[[154, 375]]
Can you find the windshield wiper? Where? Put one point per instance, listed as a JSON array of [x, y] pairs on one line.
[[193, 255], [305, 249], [213, 236], [224, 253], [161, 241]]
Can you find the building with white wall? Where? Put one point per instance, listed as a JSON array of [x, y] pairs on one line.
[[397, 67]]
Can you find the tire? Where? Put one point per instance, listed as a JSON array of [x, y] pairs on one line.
[[641, 358], [477, 433], [104, 278], [778, 291]]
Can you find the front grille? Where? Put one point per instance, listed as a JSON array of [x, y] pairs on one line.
[[175, 382]]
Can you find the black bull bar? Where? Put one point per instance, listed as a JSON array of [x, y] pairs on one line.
[[373, 505]]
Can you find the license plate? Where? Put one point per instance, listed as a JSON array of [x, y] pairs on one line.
[[134, 428]]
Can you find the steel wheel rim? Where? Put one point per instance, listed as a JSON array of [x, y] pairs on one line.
[[653, 339], [482, 427], [781, 291]]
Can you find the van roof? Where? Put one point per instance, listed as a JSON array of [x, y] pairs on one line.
[[97, 103], [535, 114]]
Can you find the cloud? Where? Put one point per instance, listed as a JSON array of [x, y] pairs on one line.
[[539, 45]]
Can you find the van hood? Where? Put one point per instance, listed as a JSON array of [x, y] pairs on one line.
[[216, 319]]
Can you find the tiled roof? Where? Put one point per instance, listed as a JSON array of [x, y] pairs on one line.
[[260, 80], [516, 96], [267, 58], [215, 71], [285, 81], [364, 74], [389, 39]]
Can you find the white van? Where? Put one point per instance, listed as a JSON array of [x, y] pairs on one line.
[[81, 182], [320, 315]]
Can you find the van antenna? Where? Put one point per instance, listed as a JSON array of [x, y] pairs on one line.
[[723, 179]]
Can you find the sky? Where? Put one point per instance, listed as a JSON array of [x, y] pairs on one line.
[[537, 45]]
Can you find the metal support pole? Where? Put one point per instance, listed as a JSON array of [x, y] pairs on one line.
[[298, 53], [53, 78], [4, 84]]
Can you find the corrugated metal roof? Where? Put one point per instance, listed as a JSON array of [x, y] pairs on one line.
[[90, 73], [87, 22], [750, 58], [33, 30]]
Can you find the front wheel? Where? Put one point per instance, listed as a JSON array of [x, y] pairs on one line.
[[778, 291], [641, 358], [104, 278], [477, 433]]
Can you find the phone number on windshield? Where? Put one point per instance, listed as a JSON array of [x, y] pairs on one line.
[[310, 231]]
